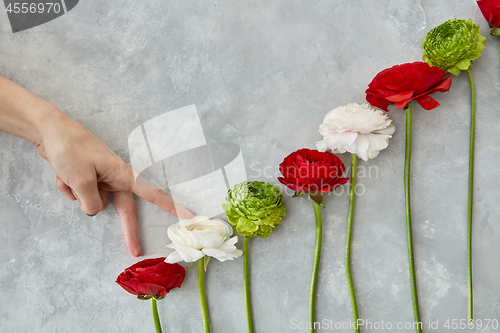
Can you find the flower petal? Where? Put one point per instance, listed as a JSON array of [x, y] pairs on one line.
[[360, 145], [427, 102], [463, 64], [378, 141], [216, 253], [188, 254], [173, 258], [226, 251], [321, 145], [400, 96]]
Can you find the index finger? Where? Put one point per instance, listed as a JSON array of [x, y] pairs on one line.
[[156, 196]]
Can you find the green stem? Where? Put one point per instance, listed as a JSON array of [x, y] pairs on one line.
[[470, 192], [203, 298], [246, 285], [315, 268], [156, 318], [350, 284], [409, 236]]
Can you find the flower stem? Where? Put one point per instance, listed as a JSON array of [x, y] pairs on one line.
[[156, 318], [409, 236], [470, 192], [350, 284], [203, 298], [246, 285], [315, 267]]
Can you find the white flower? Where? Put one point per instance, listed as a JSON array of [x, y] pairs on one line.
[[200, 236], [359, 129]]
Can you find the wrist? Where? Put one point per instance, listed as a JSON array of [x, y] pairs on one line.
[[45, 117]]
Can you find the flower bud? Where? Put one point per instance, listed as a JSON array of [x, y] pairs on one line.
[[151, 278], [452, 45], [254, 208], [494, 31]]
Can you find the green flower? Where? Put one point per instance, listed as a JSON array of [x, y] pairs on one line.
[[254, 208], [452, 45]]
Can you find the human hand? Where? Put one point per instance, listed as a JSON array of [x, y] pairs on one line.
[[88, 171]]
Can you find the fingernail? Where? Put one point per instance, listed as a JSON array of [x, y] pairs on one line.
[[92, 214], [192, 212], [76, 196]]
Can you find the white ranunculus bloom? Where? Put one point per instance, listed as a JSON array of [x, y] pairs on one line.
[[362, 130], [200, 236]]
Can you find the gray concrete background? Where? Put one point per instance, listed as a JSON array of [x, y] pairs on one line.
[[262, 75]]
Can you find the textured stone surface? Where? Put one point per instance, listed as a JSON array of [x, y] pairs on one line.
[[262, 75]]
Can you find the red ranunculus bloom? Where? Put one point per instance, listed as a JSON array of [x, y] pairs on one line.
[[491, 11], [151, 277], [401, 84], [309, 171]]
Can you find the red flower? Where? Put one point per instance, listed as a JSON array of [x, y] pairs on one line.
[[151, 278], [491, 11], [401, 84], [309, 170]]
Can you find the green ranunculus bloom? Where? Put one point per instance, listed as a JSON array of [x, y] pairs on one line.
[[452, 45], [254, 208]]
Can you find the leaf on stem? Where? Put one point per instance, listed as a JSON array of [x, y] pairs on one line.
[[317, 197], [298, 194], [205, 262], [144, 297]]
